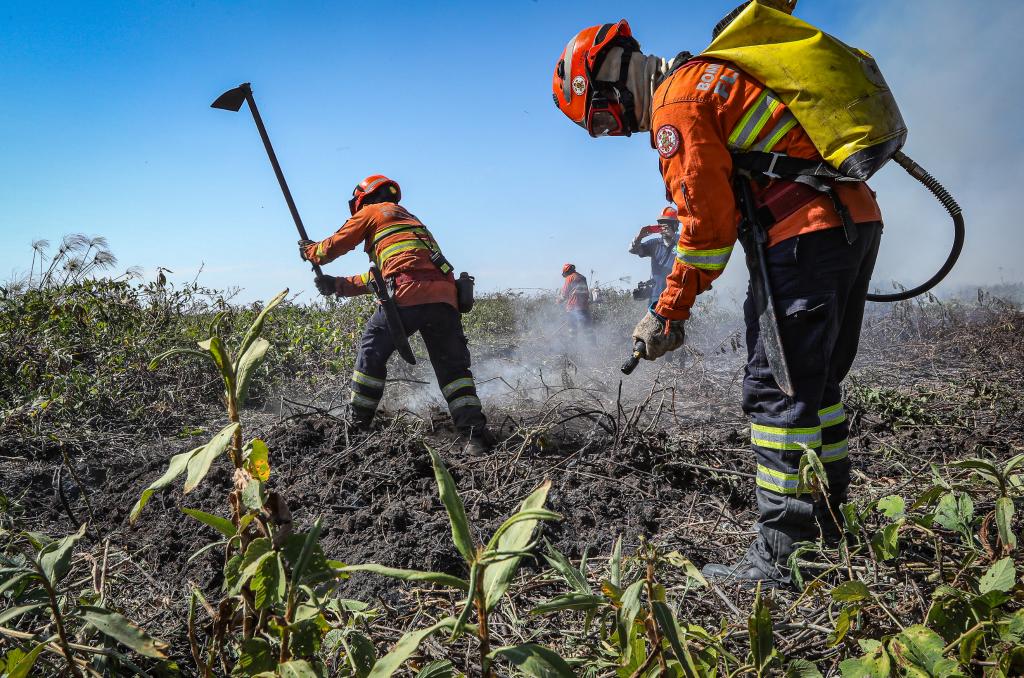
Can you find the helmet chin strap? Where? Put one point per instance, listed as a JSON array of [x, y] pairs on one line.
[[636, 75]]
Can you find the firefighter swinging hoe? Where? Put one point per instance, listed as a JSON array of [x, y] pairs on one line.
[[767, 137]]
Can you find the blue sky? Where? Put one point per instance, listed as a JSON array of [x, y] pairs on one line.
[[106, 129]]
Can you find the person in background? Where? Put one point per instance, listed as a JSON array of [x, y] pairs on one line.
[[660, 250], [575, 294]]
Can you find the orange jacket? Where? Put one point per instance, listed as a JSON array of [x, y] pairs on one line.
[[575, 292], [697, 112], [399, 243]]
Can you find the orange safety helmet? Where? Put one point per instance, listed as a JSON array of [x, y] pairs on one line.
[[370, 185], [600, 107], [669, 216], [568, 269]]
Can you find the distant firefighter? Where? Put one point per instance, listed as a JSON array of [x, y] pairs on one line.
[[661, 250], [575, 294]]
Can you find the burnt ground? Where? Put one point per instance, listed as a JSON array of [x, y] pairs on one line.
[[668, 463]]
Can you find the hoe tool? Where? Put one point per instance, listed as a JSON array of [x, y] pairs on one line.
[[753, 237], [232, 100]]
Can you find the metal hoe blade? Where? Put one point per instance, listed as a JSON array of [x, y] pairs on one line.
[[231, 100]]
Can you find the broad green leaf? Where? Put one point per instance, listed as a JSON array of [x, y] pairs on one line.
[[874, 664], [570, 601], [404, 648], [1004, 522], [801, 668], [761, 633], [892, 506], [12, 613], [437, 669], [534, 660], [257, 460], [410, 575], [955, 511], [1002, 576], [174, 469], [497, 577], [626, 614], [20, 665], [456, 510], [253, 496], [219, 352], [256, 329], [259, 550], [306, 555], [247, 365], [123, 631], [670, 630], [851, 591], [843, 624], [362, 655], [678, 560], [885, 543], [222, 525], [268, 581], [257, 656], [615, 564], [13, 580], [1012, 463], [918, 647], [297, 668], [575, 578], [527, 514], [155, 362], [55, 559], [199, 464]]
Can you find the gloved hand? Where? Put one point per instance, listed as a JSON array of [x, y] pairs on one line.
[[660, 335], [303, 246], [326, 284]]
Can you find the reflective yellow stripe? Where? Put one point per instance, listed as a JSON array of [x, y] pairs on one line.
[[359, 400], [782, 127], [465, 382], [319, 250], [777, 481], [464, 401], [399, 247], [835, 451], [400, 228], [777, 438], [708, 260], [367, 380], [832, 415]]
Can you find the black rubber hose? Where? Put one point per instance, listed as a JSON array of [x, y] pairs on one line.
[[943, 196]]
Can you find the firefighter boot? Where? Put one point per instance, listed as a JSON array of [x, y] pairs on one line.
[[478, 442]]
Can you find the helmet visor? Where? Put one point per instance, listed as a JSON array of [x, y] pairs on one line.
[[606, 118]]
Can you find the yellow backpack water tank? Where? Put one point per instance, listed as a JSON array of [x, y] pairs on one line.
[[836, 92]]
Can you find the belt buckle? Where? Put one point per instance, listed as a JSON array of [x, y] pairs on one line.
[[770, 172]]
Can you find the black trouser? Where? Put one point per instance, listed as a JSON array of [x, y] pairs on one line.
[[440, 325], [820, 282]]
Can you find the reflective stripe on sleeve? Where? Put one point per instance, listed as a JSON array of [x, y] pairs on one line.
[[399, 247], [777, 481], [834, 451], [831, 416], [464, 382], [464, 401], [367, 403], [708, 260], [367, 380], [401, 228], [777, 438], [753, 121], [782, 127]]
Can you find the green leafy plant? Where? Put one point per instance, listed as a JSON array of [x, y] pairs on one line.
[[491, 567], [40, 597]]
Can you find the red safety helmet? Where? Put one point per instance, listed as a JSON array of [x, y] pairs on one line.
[[567, 269], [669, 216], [600, 107], [370, 185]]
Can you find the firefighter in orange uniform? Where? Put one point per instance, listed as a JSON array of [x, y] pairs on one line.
[[423, 288], [575, 294], [702, 115]]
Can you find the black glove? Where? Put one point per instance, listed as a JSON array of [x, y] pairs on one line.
[[303, 246], [326, 285]]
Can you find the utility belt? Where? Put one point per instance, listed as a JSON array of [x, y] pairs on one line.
[[801, 181]]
